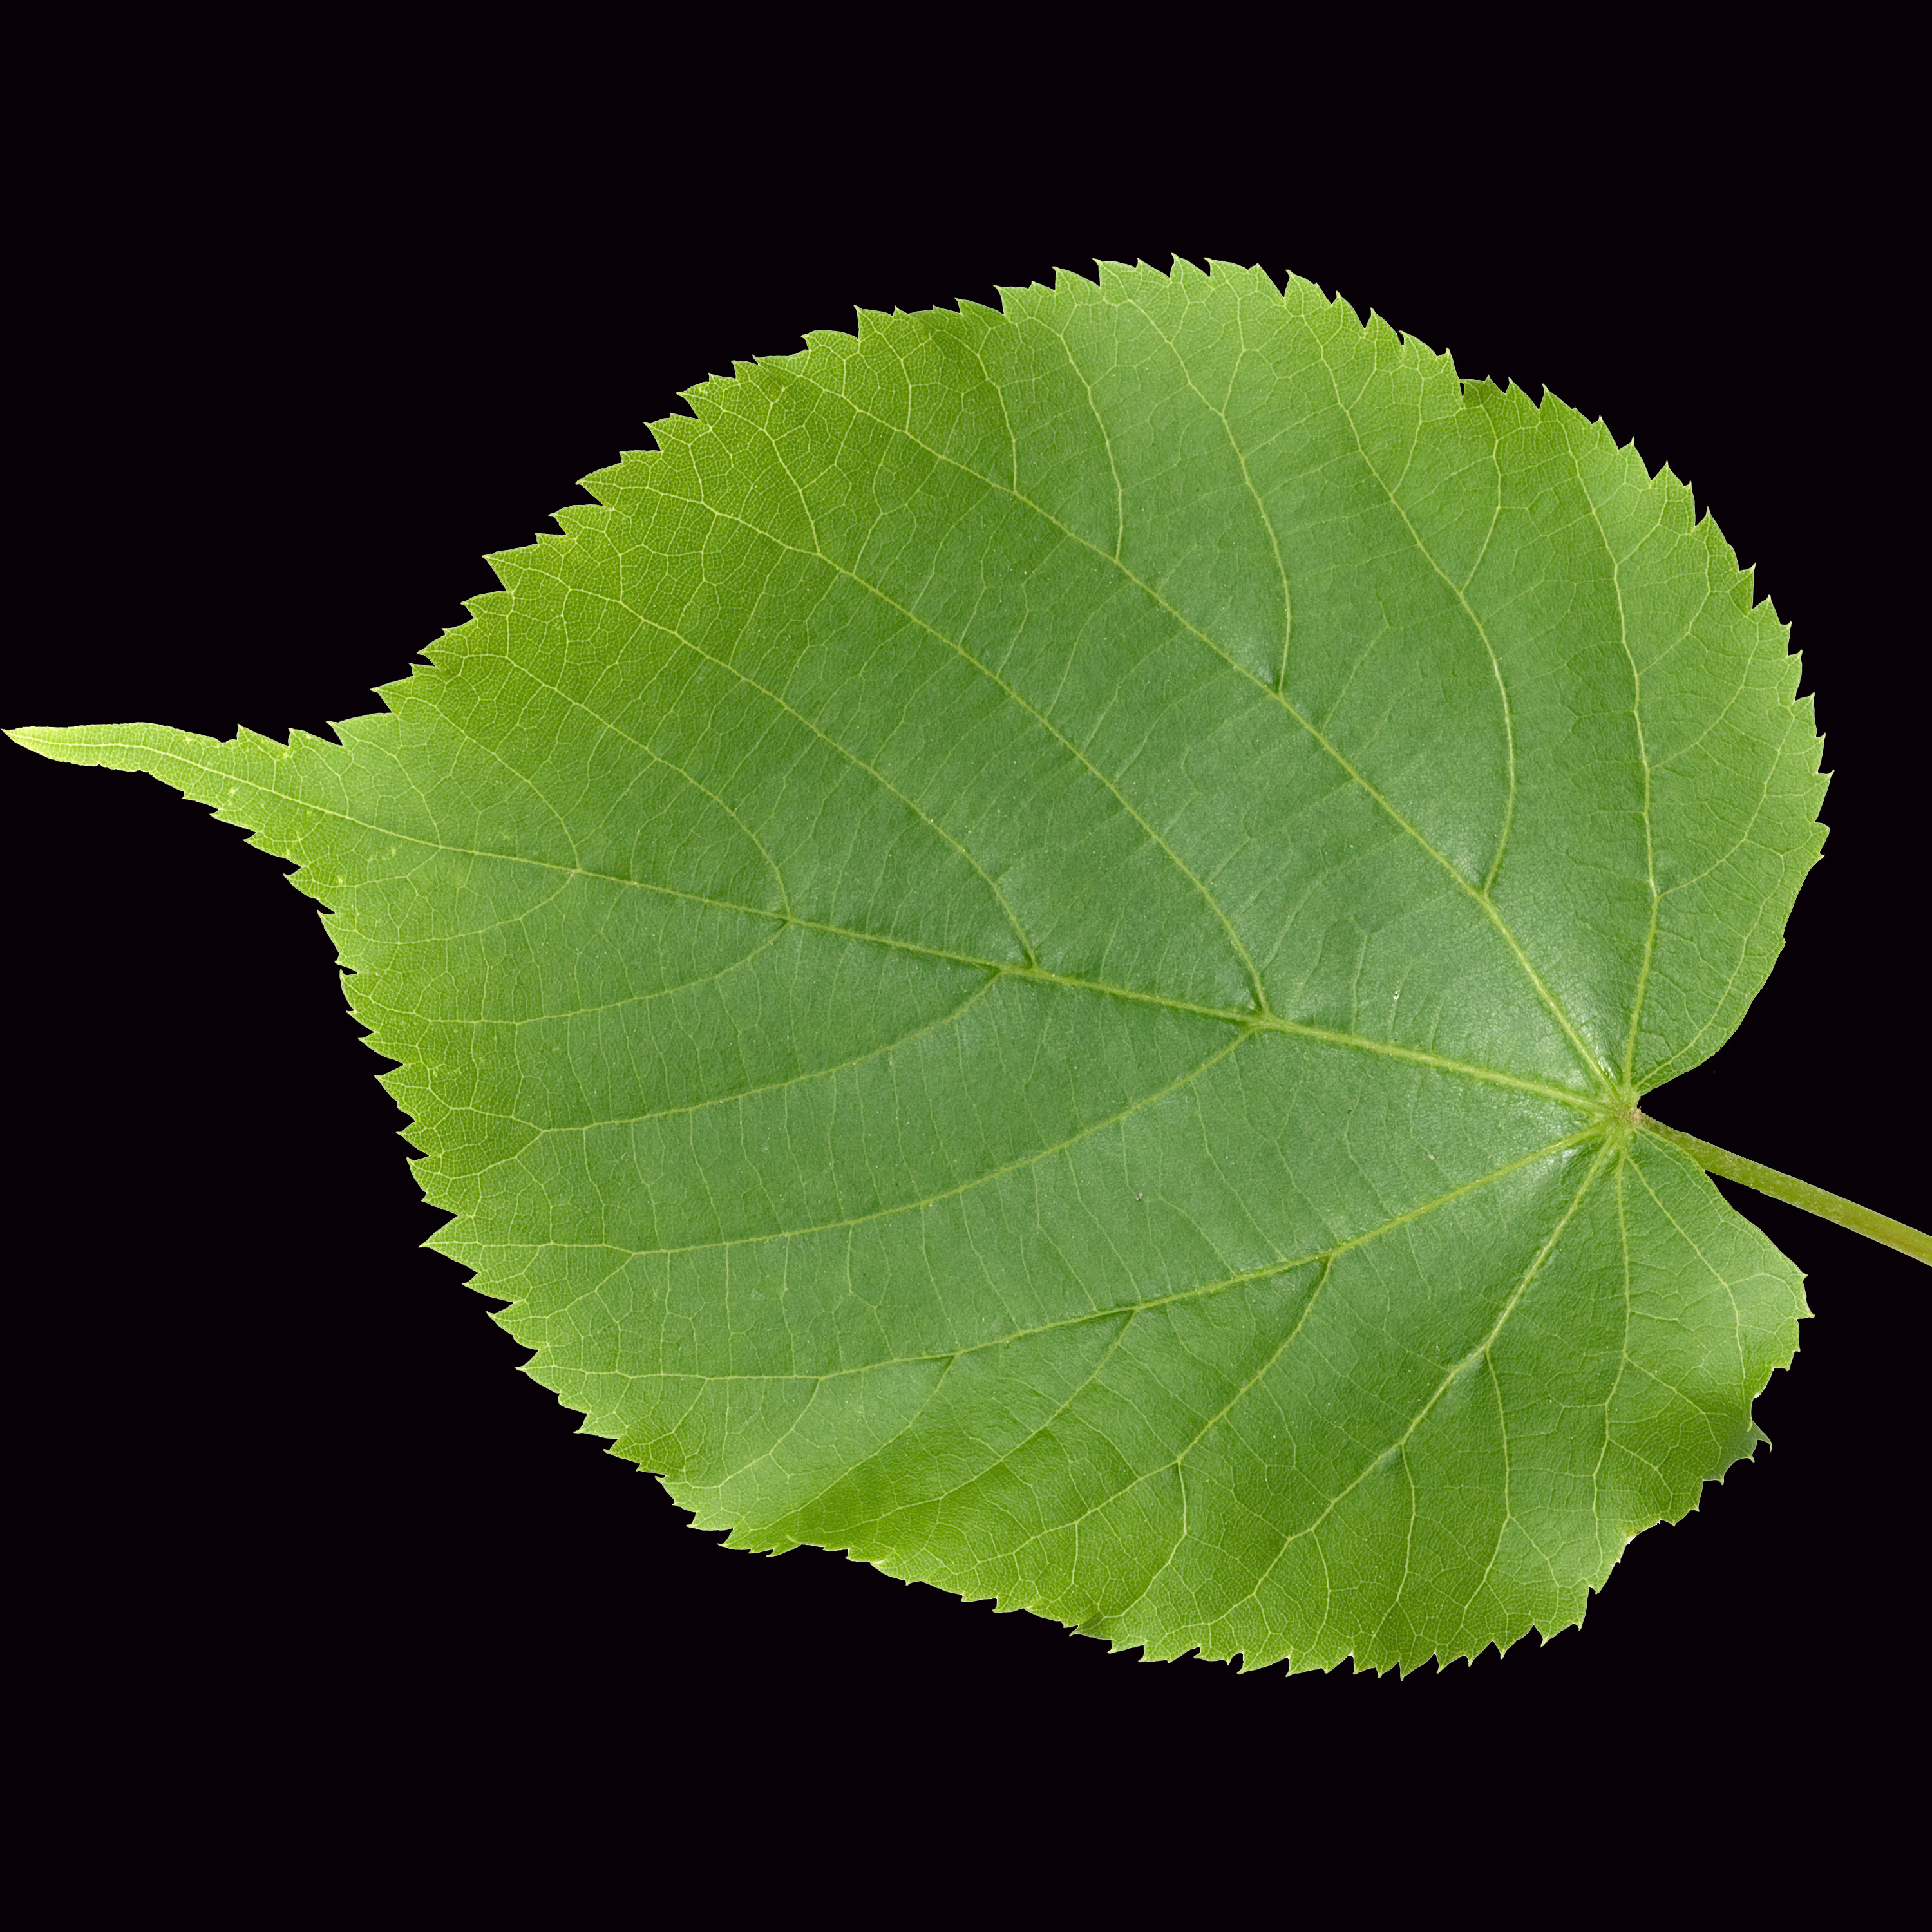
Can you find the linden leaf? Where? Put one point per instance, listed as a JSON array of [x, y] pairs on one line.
[[1031, 952]]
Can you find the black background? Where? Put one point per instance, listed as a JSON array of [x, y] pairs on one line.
[[285, 1493]]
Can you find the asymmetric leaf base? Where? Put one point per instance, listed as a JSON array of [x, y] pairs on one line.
[[1032, 951]]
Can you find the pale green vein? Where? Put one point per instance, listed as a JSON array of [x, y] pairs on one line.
[[1421, 1058], [810, 1073], [697, 785], [1495, 515], [490, 752], [798, 489], [1469, 611], [1220, 1285], [716, 977], [929, 1497], [1623, 1352], [1743, 837], [1247, 478], [1509, 1478], [1643, 758], [1178, 1460], [1032, 1158], [1688, 1055], [1106, 443], [1710, 1267]]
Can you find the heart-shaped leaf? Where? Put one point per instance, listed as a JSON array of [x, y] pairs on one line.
[[1032, 952]]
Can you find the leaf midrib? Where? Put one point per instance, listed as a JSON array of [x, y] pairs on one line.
[[1247, 1021]]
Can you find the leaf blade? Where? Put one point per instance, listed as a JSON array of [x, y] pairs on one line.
[[1025, 870]]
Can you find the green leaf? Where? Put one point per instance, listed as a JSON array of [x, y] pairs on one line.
[[1030, 952]]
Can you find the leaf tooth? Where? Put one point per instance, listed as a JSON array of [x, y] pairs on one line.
[[1071, 281], [1252, 273]]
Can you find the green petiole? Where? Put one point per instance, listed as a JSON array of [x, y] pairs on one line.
[[1800, 1193]]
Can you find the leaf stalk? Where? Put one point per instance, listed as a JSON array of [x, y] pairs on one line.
[[1866, 1221]]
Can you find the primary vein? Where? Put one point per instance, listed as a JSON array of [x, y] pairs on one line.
[[1246, 1020]]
